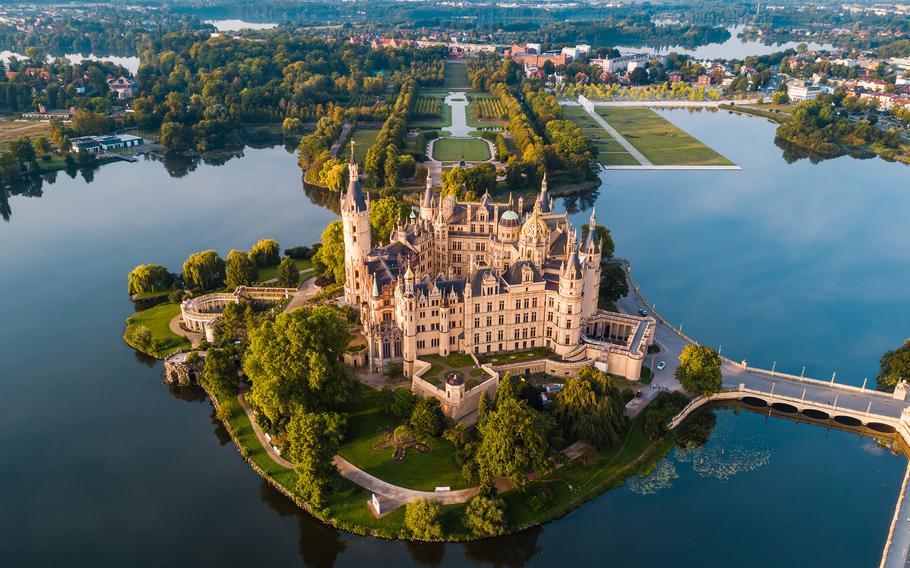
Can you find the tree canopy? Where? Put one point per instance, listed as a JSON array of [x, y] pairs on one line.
[[241, 271], [204, 270], [385, 213], [590, 408], [514, 440], [147, 278], [895, 365], [265, 253], [422, 519], [699, 370], [313, 439], [330, 257], [287, 273], [295, 362], [485, 516]]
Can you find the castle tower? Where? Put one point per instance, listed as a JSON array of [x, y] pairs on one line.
[[409, 326], [571, 286], [355, 218], [543, 200], [426, 204], [592, 251]]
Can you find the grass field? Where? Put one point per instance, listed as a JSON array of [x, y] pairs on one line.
[[456, 76], [363, 139], [158, 320], [12, 129], [270, 272], [452, 149], [658, 139], [423, 472], [609, 151]]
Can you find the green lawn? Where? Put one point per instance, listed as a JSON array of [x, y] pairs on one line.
[[660, 140], [423, 472], [270, 272], [452, 150], [515, 356], [157, 320], [456, 78], [363, 138], [609, 151]]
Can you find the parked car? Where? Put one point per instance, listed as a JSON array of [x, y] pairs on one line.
[[643, 313], [662, 365]]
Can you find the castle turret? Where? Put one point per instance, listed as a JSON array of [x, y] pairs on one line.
[[408, 305], [543, 200], [571, 280], [592, 251], [426, 204], [355, 218]]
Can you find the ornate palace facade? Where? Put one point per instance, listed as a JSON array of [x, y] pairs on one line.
[[480, 277]]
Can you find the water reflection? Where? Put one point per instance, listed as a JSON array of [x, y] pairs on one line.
[[426, 553], [514, 551]]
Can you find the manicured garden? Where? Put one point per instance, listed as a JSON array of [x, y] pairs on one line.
[[658, 139], [160, 341], [453, 149], [503, 357], [456, 78]]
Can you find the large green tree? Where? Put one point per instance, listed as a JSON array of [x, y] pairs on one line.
[[265, 253], [147, 278], [241, 271], [313, 439], [220, 375], [422, 519], [204, 270], [385, 214], [590, 408], [485, 516], [295, 362], [895, 365], [287, 273], [514, 440], [330, 257], [607, 247], [699, 370], [427, 418], [613, 284]]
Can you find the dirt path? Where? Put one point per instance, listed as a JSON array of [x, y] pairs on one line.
[[193, 337]]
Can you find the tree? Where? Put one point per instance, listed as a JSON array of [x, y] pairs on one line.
[[295, 362], [427, 418], [42, 146], [485, 516], [590, 408], [780, 98], [399, 402], [385, 215], [329, 260], [613, 283], [895, 365], [241, 271], [287, 273], [204, 270], [699, 370], [265, 253], [514, 439], [147, 278], [220, 375], [313, 439], [422, 519]]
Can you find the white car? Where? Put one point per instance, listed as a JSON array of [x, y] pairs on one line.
[[662, 365]]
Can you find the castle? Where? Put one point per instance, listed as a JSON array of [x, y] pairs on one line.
[[483, 277]]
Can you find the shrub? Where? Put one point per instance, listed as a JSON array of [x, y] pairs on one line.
[[421, 518], [540, 500], [485, 516], [427, 418]]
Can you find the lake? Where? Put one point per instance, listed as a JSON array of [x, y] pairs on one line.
[[237, 25], [798, 263], [131, 64], [733, 48]]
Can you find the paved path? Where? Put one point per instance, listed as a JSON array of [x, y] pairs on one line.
[[336, 145], [305, 292], [266, 445], [194, 337], [458, 102], [619, 138], [653, 167]]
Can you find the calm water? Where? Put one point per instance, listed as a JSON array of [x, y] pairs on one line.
[[733, 48], [131, 64], [237, 25], [101, 462]]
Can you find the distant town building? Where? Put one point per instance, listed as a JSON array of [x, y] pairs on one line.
[[620, 64], [98, 144], [802, 91], [123, 86]]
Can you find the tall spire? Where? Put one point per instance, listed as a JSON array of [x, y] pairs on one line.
[[352, 151], [544, 198], [427, 202], [353, 199]]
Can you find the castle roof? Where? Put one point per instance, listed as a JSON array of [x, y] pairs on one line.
[[353, 199], [514, 274], [573, 267], [544, 198]]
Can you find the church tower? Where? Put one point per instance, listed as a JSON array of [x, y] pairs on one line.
[[355, 217]]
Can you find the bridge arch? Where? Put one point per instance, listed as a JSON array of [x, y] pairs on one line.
[[848, 420], [755, 401], [784, 407], [816, 414]]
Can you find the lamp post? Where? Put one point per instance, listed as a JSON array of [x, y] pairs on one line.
[[773, 367]]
